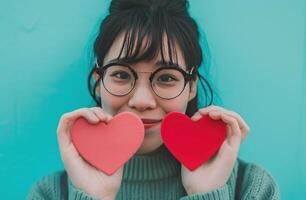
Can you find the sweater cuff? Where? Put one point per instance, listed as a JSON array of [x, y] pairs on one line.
[[77, 194], [221, 193]]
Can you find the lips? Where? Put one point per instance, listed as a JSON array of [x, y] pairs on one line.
[[149, 123]]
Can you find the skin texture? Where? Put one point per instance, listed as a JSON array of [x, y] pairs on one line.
[[143, 102]]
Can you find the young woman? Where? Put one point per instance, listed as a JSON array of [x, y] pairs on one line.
[[147, 62]]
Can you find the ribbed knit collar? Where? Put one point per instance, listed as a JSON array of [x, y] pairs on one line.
[[157, 165]]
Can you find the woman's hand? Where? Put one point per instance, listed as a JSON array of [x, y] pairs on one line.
[[82, 174], [215, 172]]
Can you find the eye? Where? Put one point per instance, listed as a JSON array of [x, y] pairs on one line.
[[121, 75], [166, 78]]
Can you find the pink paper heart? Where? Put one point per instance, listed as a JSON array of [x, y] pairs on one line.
[[108, 146]]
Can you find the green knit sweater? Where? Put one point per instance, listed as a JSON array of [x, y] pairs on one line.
[[157, 176]]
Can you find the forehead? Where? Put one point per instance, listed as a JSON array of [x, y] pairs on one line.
[[176, 55]]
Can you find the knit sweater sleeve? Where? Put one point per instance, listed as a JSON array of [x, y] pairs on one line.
[[77, 194], [220, 193], [258, 183], [249, 182], [54, 187], [47, 188]]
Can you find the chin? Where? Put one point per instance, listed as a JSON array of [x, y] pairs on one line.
[[149, 145]]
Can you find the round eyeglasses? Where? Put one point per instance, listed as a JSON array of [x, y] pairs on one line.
[[119, 79]]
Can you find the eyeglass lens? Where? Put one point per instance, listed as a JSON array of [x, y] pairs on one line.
[[166, 83]]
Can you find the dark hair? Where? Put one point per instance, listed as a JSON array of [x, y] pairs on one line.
[[152, 20]]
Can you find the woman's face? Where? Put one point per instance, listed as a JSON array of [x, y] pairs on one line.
[[142, 100]]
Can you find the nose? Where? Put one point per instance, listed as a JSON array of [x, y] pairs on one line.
[[142, 98]]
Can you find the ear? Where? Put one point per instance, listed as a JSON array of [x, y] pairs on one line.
[[193, 88], [96, 76]]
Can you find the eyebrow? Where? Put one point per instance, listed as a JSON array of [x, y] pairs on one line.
[[158, 64], [161, 63]]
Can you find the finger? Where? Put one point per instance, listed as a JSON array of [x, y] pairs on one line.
[[242, 124], [215, 114], [227, 156], [89, 115], [203, 111], [196, 116], [232, 123], [64, 139], [99, 113], [66, 121], [206, 110], [100, 110], [235, 137], [219, 115], [229, 121], [82, 112]]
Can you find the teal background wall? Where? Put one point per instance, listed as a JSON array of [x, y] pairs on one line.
[[258, 65]]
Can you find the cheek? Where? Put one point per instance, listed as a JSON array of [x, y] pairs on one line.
[[111, 104], [177, 104]]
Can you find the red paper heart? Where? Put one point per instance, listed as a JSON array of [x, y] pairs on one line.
[[192, 143], [108, 146]]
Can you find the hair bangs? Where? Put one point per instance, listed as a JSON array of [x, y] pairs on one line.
[[145, 39]]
